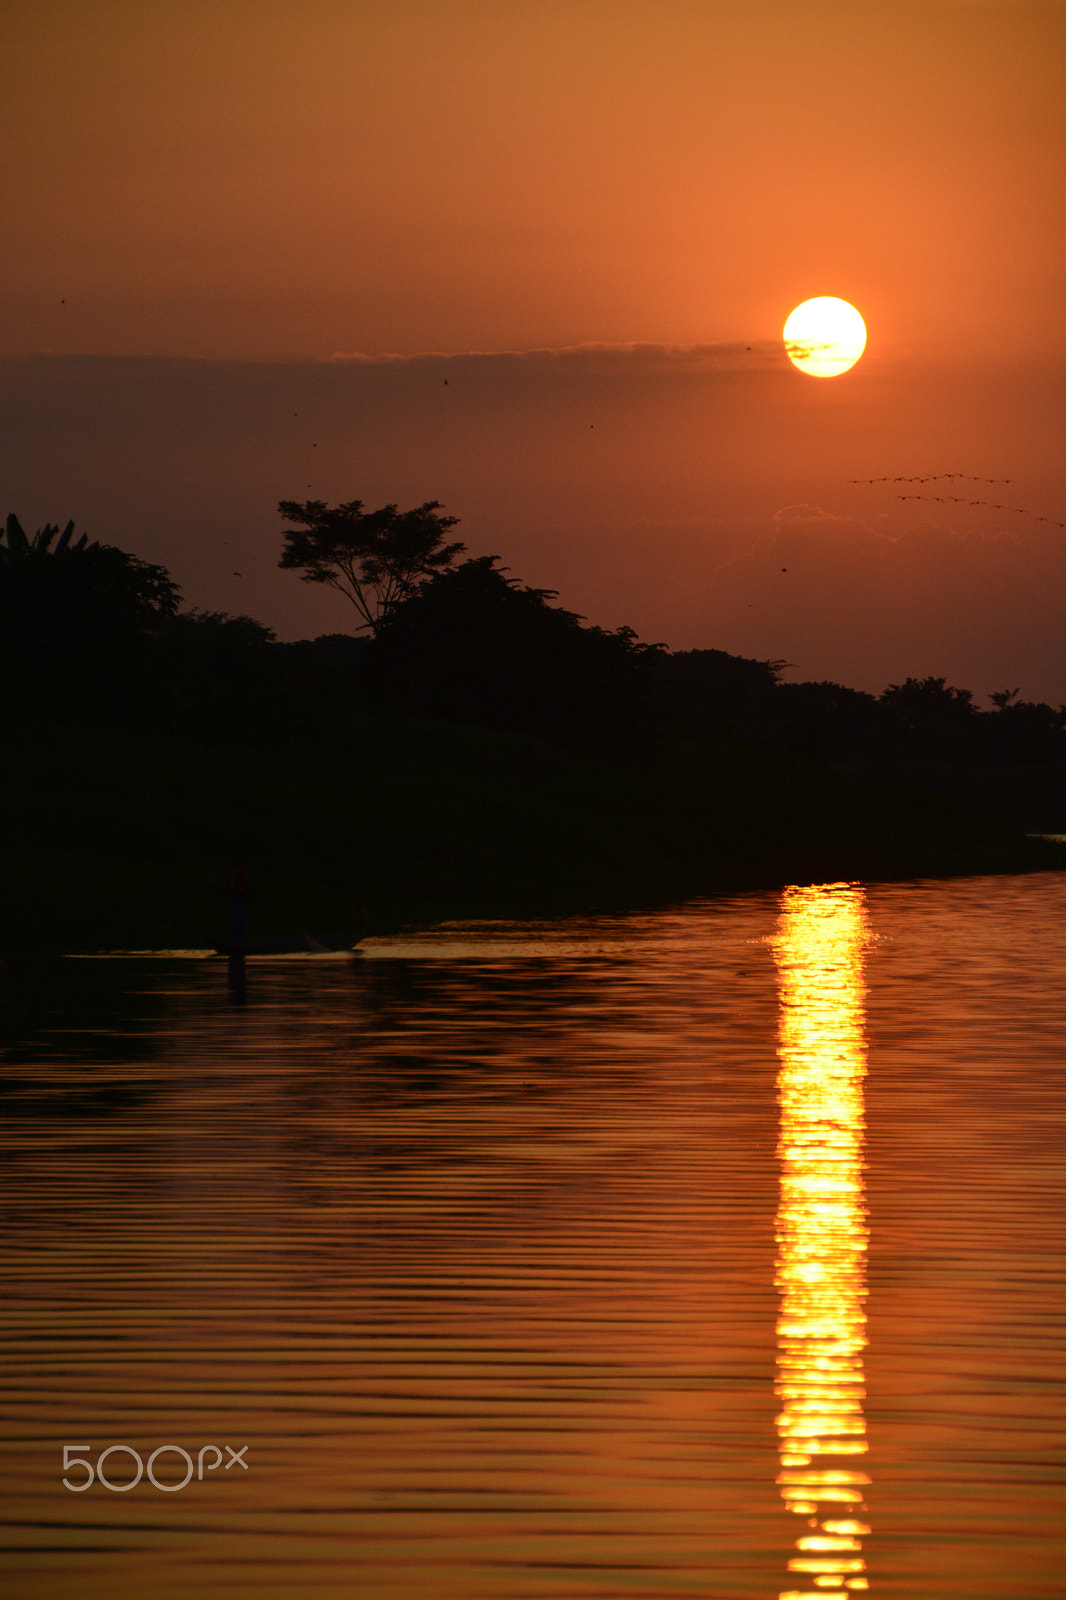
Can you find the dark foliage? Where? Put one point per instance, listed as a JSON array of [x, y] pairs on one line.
[[89, 633], [478, 647], [71, 585], [711, 694], [936, 720], [75, 620], [829, 722], [1026, 731], [214, 673]]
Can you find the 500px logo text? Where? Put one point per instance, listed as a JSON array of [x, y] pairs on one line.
[[76, 1455]]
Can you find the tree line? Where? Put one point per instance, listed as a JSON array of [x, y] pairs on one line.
[[91, 631]]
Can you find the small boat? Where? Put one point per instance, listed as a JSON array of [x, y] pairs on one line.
[[301, 944]]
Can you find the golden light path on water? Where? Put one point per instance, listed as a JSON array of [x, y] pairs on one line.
[[821, 1234]]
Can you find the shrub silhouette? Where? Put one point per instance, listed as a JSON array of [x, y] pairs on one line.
[[477, 646]]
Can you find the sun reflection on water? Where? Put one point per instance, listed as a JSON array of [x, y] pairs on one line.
[[821, 1233]]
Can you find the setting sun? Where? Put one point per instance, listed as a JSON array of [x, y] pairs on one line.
[[824, 336]]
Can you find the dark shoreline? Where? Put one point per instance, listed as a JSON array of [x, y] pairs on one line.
[[123, 839]]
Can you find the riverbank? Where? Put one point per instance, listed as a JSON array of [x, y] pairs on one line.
[[122, 839]]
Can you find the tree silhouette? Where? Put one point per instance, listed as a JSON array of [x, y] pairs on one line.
[[57, 594], [929, 703], [77, 572], [474, 645], [376, 559], [20, 547], [936, 722], [76, 622]]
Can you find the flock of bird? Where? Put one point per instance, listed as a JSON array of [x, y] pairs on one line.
[[958, 499], [934, 477]]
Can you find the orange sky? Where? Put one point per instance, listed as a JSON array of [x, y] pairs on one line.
[[242, 180]]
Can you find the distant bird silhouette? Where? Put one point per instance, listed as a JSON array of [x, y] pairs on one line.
[[238, 574], [445, 383]]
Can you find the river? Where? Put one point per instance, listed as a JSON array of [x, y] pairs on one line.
[[709, 1253]]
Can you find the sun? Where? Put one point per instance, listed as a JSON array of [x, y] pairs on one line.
[[824, 336]]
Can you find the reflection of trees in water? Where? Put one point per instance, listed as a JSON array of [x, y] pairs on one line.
[[468, 1019], [93, 1014], [453, 1049]]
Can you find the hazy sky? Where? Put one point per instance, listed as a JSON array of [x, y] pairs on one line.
[[244, 191]]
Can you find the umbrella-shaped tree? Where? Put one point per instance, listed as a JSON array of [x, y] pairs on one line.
[[376, 559]]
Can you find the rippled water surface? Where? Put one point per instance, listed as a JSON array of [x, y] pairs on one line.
[[711, 1253]]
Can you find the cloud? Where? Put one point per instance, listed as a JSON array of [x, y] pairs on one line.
[[802, 512], [758, 354]]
